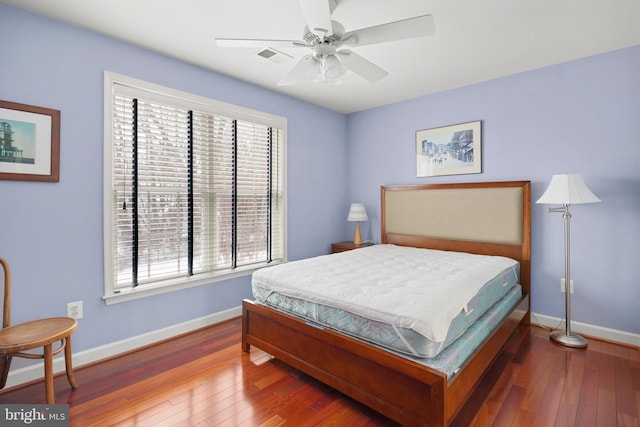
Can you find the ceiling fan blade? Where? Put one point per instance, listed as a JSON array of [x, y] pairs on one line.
[[419, 26], [317, 15], [361, 66], [303, 70], [226, 42]]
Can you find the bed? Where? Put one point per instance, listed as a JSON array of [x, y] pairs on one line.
[[485, 218]]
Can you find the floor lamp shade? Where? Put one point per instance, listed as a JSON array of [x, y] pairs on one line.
[[357, 213], [566, 190]]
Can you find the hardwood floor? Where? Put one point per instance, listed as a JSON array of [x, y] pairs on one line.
[[203, 379]]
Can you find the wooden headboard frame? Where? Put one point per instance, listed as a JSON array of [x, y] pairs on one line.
[[490, 218]]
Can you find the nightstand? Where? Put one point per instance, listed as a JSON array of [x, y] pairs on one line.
[[347, 246]]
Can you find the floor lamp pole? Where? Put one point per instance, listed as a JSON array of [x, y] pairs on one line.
[[566, 337]]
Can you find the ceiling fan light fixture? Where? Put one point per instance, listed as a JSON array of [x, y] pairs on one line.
[[333, 68], [311, 70]]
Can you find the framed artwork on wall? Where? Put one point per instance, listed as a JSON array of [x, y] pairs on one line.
[[29, 142], [449, 150]]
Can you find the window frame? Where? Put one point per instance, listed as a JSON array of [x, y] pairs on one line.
[[115, 295]]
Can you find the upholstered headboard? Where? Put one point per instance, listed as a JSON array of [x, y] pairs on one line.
[[491, 218], [483, 215]]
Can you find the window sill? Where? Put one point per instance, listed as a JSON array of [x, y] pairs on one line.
[[143, 291]]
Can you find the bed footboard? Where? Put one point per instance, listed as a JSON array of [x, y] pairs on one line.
[[389, 384], [405, 391]]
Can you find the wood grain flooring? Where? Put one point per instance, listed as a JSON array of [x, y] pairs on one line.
[[203, 379]]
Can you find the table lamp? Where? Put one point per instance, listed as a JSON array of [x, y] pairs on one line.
[[357, 213]]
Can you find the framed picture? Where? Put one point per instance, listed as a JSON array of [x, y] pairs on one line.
[[29, 143], [449, 150]]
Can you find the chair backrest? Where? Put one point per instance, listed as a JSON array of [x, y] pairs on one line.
[[6, 309]]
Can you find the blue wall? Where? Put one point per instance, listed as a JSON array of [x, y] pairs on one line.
[[51, 233], [574, 117]]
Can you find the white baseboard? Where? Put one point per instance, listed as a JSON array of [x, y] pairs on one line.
[[587, 329], [36, 371]]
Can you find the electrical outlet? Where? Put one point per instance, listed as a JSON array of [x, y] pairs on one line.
[[74, 310], [562, 287]]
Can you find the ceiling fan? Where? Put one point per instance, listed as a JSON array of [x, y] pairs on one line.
[[328, 60]]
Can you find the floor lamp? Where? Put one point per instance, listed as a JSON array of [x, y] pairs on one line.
[[567, 190]]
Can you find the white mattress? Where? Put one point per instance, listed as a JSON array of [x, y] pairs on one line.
[[418, 289]]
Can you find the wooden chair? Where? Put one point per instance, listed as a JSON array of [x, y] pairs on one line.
[[16, 340]]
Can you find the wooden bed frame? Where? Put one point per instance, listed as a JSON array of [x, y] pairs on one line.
[[487, 218]]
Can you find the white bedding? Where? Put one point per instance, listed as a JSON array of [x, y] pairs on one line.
[[419, 289]]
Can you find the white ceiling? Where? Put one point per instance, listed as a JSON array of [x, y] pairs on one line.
[[474, 40]]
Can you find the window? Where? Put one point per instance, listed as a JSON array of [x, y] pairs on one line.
[[194, 189]]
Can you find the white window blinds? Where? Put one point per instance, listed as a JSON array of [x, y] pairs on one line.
[[195, 192]]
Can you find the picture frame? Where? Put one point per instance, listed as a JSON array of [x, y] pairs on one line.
[[449, 150], [29, 142]]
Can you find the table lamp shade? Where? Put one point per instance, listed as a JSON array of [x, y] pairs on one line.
[[357, 212]]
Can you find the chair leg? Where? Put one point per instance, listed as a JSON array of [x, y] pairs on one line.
[[68, 363], [48, 374], [5, 363]]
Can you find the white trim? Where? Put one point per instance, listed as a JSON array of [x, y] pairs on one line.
[[36, 371], [188, 99], [152, 90], [123, 295], [587, 329]]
